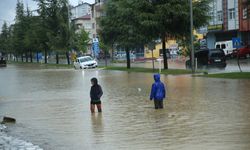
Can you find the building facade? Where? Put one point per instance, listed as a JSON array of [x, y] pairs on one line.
[[85, 16], [224, 22], [80, 10], [244, 21]]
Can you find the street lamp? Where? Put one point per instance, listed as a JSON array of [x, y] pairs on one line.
[[192, 40]]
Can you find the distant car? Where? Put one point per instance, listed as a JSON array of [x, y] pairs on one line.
[[209, 58], [85, 62], [241, 52], [226, 46]]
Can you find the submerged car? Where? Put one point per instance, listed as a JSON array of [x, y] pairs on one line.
[[85, 62], [209, 58]]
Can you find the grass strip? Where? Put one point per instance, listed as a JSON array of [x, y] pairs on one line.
[[150, 70], [231, 75]]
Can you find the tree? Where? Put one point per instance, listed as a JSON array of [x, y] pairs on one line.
[[55, 34], [121, 25], [132, 22], [4, 36], [82, 40], [105, 49], [173, 19], [18, 30], [43, 28], [184, 43], [31, 40]]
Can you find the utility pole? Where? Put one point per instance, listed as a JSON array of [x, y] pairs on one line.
[[191, 36]]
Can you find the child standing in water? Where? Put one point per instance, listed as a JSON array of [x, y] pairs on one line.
[[158, 92], [95, 95]]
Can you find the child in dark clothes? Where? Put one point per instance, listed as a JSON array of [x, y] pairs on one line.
[[95, 95]]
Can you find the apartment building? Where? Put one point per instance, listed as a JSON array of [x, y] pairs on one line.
[[244, 20], [80, 10], [224, 22]]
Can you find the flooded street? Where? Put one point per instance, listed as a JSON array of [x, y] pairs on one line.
[[51, 107]]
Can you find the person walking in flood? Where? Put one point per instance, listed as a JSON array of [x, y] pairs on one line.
[[158, 92], [95, 95]]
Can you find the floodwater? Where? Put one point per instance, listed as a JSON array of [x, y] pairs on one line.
[[52, 110]]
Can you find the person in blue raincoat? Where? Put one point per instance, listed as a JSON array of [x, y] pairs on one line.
[[158, 92]]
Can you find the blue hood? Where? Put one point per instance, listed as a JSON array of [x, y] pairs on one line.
[[157, 77]]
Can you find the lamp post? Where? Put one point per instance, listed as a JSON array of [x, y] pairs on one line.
[[191, 36]]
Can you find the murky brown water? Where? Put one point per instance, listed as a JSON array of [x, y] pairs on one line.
[[52, 110]]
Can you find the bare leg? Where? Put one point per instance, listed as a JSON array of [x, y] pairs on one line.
[[99, 107], [92, 108]]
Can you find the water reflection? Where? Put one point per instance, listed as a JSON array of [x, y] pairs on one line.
[[97, 126]]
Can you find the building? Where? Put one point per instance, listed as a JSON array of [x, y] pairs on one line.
[[80, 10], [244, 22], [224, 23], [97, 11]]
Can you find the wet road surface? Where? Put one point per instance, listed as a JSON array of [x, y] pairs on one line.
[[52, 110]]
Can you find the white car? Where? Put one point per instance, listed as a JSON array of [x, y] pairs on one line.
[[85, 62]]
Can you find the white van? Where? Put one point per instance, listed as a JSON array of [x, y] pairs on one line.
[[226, 46]]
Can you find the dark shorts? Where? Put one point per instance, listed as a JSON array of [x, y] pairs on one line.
[[95, 102]]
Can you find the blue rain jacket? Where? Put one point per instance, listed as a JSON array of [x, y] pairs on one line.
[[158, 89]]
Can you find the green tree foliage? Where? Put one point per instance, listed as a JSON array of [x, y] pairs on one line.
[[47, 31], [82, 40], [4, 38], [55, 34], [121, 25], [132, 22], [19, 30]]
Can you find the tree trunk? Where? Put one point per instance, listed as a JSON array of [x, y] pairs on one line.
[[112, 52], [67, 56], [22, 57], [57, 58], [37, 59], [128, 58], [153, 61], [31, 57], [105, 56], [26, 57], [45, 56], [16, 58], [164, 51]]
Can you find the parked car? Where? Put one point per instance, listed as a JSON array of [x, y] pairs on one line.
[[85, 62], [209, 58], [241, 52]]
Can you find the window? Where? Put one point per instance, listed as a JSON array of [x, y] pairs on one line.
[[219, 16], [223, 46], [244, 13], [231, 13], [218, 46], [87, 26]]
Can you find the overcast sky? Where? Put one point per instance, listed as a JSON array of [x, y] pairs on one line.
[[7, 8]]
